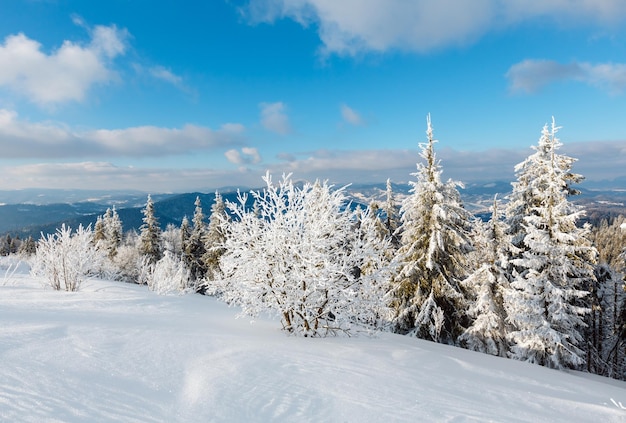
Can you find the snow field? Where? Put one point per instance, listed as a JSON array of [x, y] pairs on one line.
[[118, 352]]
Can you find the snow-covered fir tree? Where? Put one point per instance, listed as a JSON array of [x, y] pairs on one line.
[[214, 239], [150, 234], [171, 240], [486, 287], [609, 237], [300, 258], [606, 331], [108, 232], [194, 247], [114, 230], [391, 215], [28, 247], [9, 245], [523, 199], [169, 275], [185, 234], [426, 294], [99, 234], [388, 219], [553, 274]]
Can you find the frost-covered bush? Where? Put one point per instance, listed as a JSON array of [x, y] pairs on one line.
[[302, 254], [166, 276], [64, 259], [125, 264]]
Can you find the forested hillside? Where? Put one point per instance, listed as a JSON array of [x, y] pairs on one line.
[[532, 282]]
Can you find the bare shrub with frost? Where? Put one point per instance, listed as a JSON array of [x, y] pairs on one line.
[[65, 259]]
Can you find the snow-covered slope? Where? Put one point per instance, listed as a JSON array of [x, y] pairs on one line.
[[118, 352]]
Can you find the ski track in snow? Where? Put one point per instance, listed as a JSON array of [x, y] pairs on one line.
[[118, 352]]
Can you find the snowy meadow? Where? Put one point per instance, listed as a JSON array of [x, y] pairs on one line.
[[115, 351], [359, 312]]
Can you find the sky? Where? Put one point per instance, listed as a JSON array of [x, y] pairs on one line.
[[171, 96]]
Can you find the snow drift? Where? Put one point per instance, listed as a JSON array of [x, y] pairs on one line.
[[118, 352]]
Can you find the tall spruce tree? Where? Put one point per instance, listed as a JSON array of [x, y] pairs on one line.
[[426, 294], [487, 286], [194, 247], [554, 270], [392, 218], [150, 234], [215, 237], [115, 231]]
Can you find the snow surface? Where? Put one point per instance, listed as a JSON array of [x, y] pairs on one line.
[[119, 352]]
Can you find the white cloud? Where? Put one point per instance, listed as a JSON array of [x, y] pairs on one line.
[[21, 138], [65, 74], [565, 12], [351, 116], [247, 155], [166, 75], [107, 176], [349, 27], [531, 75], [274, 118], [597, 161]]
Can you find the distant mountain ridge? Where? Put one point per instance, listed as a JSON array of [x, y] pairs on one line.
[[31, 212]]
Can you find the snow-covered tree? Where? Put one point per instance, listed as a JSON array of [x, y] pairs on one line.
[[125, 265], [171, 239], [99, 234], [185, 233], [194, 246], [554, 271], [108, 232], [28, 247], [64, 259], [387, 220], [524, 199], [606, 331], [432, 256], [150, 234], [168, 275], [391, 215], [609, 237], [114, 230], [487, 285], [301, 258], [214, 239]]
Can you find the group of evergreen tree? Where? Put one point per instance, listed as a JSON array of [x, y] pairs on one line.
[[534, 290], [533, 283]]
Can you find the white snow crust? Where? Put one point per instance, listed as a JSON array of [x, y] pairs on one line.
[[119, 352]]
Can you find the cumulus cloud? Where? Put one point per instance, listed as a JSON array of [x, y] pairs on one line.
[[21, 138], [349, 27], [532, 75], [67, 73], [351, 116], [274, 118], [247, 155]]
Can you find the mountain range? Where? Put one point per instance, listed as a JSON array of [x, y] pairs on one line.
[[31, 212]]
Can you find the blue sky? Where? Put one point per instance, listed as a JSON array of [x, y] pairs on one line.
[[196, 95]]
